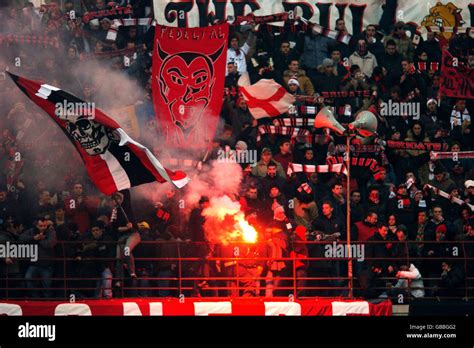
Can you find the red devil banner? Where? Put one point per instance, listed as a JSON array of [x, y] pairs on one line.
[[457, 80], [188, 82]]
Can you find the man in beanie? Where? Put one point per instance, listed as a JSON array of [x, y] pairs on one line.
[[261, 168], [294, 72]]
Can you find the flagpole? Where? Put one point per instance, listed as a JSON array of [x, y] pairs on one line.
[[348, 217]]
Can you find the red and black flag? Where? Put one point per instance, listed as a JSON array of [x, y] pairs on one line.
[[113, 160]]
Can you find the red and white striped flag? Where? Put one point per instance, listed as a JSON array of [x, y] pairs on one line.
[[114, 161], [266, 98]]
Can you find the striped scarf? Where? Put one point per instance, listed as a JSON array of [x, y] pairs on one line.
[[287, 131], [446, 195], [127, 22], [434, 155], [31, 40], [339, 168], [294, 122]]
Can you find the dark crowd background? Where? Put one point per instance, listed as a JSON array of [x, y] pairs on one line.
[[416, 236]]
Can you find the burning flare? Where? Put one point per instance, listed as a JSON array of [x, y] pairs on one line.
[[225, 222]]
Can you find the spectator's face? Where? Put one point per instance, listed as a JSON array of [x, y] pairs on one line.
[[436, 80], [410, 175], [59, 214], [285, 47], [374, 196], [71, 53], [252, 193], [274, 192], [227, 134], [132, 33], [77, 189], [231, 68], [271, 171], [105, 25], [293, 87], [370, 31], [45, 197], [294, 66], [329, 70], [465, 214], [391, 49], [98, 47], [395, 96], [461, 105], [355, 197], [423, 56], [336, 56], [337, 190], [382, 175], [437, 214], [439, 177], [416, 129], [432, 106], [97, 232], [285, 148], [383, 231], [3, 196], [327, 210], [445, 267], [266, 157], [341, 25], [422, 218], [430, 36], [205, 205], [392, 220], [372, 219], [170, 193], [309, 155], [100, 4], [314, 178], [401, 235], [243, 104], [234, 43], [402, 191], [406, 66], [42, 226], [455, 148]]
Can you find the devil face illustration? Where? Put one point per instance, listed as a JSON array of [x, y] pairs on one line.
[[186, 80]]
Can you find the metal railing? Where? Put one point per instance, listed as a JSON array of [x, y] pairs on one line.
[[216, 273]]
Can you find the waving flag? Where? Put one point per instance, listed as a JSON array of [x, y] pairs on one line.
[[113, 160], [266, 98]]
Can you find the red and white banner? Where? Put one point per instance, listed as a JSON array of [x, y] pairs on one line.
[[188, 83], [356, 13], [266, 98], [197, 307]]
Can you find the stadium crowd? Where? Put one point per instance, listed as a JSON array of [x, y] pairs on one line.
[[414, 237]]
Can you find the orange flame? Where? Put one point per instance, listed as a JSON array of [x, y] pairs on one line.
[[225, 222], [249, 234]]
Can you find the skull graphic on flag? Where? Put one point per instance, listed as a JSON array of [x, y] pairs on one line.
[[188, 82]]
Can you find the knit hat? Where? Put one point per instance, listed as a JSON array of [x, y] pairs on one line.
[[469, 183], [241, 145], [293, 82]]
